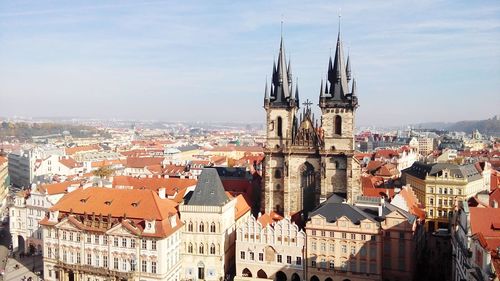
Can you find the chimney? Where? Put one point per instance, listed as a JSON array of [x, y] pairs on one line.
[[381, 206], [162, 192]]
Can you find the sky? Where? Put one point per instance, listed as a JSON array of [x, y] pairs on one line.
[[414, 61]]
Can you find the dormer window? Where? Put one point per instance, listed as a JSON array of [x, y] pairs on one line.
[[108, 203]]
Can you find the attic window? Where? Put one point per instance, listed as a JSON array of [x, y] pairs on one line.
[[495, 226], [83, 200], [135, 204], [108, 202]]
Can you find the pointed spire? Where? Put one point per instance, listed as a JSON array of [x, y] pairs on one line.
[[353, 90], [348, 68], [321, 93], [337, 73], [289, 70], [266, 93], [297, 91]]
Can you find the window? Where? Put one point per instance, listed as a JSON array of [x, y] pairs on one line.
[[65, 256], [332, 264], [363, 237], [431, 201], [115, 242], [338, 125], [190, 248], [353, 250], [280, 127], [353, 236], [344, 249], [78, 258], [200, 249], [242, 255], [89, 258], [144, 266], [78, 237], [332, 247], [190, 227], [313, 262], [344, 235], [212, 249], [132, 264], [212, 227], [279, 258], [313, 232], [105, 240], [313, 245], [277, 173], [124, 265], [322, 233], [153, 267], [132, 243], [71, 236], [298, 261], [96, 239], [105, 261], [89, 238], [332, 234], [124, 242], [289, 259], [261, 256], [63, 236], [144, 244], [153, 245], [115, 263], [97, 261], [202, 227], [323, 247], [252, 256]]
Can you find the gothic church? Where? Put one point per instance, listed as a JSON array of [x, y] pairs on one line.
[[306, 162]]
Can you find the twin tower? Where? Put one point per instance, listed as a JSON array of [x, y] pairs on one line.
[[306, 161]]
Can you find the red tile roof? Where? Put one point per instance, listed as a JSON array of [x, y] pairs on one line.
[[141, 162], [70, 163], [81, 149], [56, 188], [484, 221], [171, 185], [270, 218]]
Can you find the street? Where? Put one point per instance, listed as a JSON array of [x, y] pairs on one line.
[[16, 269]]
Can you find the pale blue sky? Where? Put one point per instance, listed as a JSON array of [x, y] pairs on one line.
[[414, 61]]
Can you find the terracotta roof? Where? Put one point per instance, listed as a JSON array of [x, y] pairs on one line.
[[270, 218], [69, 162], [104, 163], [242, 207], [3, 160], [141, 162], [56, 188], [374, 165], [132, 203], [484, 221], [386, 153], [155, 183], [495, 197], [80, 149], [238, 148], [414, 206]]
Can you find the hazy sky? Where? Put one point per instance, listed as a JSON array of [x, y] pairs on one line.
[[414, 61]]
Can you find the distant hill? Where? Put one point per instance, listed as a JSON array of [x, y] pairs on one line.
[[489, 126]]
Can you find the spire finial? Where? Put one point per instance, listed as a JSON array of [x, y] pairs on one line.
[[340, 16], [282, 20]]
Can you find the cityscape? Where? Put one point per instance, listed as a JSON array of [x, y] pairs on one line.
[[247, 181]]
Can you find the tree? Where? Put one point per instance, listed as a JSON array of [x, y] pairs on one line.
[[103, 172]]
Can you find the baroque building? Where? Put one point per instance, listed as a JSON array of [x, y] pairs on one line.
[[307, 160]]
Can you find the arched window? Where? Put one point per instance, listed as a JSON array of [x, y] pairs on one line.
[[278, 186], [190, 227], [200, 250], [338, 125], [202, 227], [277, 173], [212, 227], [190, 248], [280, 127], [212, 249]]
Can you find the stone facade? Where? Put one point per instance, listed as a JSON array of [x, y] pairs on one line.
[[306, 162]]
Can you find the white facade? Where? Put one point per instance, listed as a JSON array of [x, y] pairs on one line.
[[275, 250]]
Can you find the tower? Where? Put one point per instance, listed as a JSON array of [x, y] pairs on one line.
[[338, 103], [305, 162]]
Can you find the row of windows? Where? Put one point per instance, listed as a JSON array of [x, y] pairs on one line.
[[279, 258], [343, 235], [201, 227], [279, 238], [442, 202], [103, 239], [440, 213], [96, 261], [446, 190], [344, 265], [201, 249]]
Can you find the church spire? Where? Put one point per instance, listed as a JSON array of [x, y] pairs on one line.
[[337, 75], [348, 68], [297, 92], [281, 82], [353, 89], [266, 94]]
